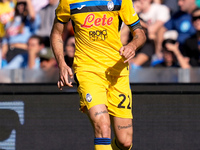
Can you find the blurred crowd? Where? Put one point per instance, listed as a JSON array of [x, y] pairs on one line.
[[25, 27], [172, 28]]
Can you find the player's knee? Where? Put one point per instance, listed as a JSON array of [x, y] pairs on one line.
[[105, 128], [127, 144], [102, 130]]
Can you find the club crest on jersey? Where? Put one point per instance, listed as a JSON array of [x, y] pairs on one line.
[[88, 97], [110, 5]]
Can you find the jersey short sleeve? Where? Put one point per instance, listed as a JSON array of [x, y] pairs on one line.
[[128, 14], [63, 11]]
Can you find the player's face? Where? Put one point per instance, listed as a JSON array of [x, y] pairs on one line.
[[196, 20], [185, 5]]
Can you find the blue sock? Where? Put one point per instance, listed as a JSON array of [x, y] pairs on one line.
[[102, 143]]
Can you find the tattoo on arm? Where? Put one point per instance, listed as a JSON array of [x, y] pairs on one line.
[[137, 26], [135, 37], [139, 37], [124, 127], [60, 41], [101, 112]]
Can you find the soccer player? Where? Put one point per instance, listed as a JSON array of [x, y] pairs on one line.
[[100, 64]]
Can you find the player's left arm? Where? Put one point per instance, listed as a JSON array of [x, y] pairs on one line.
[[139, 38]]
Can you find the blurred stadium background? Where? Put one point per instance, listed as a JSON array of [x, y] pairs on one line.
[[35, 115]]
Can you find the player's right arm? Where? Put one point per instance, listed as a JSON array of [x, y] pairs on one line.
[[57, 47]]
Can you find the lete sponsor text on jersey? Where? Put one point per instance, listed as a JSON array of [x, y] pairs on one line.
[[91, 20]]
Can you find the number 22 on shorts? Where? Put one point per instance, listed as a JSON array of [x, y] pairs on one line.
[[120, 105]]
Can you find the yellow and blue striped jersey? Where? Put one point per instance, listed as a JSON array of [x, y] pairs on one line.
[[97, 32]]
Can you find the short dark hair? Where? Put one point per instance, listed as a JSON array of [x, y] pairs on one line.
[[40, 39], [167, 41]]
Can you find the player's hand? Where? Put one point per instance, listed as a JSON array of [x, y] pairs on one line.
[[128, 52], [65, 73]]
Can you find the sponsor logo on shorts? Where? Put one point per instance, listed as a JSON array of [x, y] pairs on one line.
[[91, 21], [88, 97]]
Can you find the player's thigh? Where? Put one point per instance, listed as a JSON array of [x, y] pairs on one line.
[[96, 111], [91, 89], [120, 98], [123, 128]]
